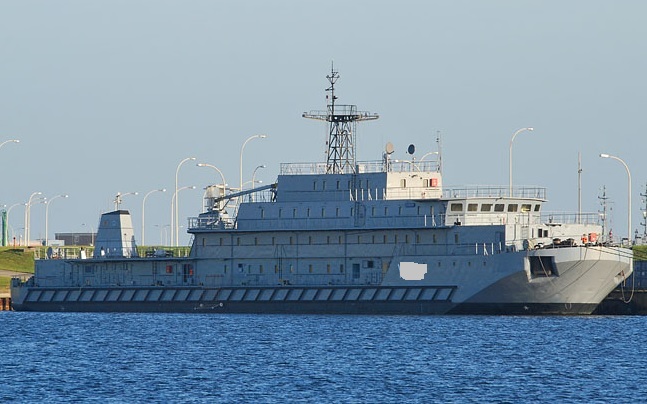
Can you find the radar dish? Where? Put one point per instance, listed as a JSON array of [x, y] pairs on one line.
[[389, 148], [411, 149]]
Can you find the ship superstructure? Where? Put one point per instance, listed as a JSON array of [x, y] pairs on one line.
[[347, 236]]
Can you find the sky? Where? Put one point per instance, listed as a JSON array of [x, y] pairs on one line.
[[110, 96]]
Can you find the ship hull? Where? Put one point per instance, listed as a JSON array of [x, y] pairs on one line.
[[368, 300]]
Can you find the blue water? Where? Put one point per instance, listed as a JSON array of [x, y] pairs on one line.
[[60, 357]]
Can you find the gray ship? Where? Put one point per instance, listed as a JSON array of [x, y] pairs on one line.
[[344, 236]]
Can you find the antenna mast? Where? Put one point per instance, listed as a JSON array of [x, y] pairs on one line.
[[340, 155], [644, 212], [603, 212]]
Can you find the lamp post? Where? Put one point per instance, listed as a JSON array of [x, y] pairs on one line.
[[174, 208], [254, 178], [215, 168], [11, 207], [144, 212], [9, 141], [241, 156], [27, 218], [608, 156], [177, 170], [119, 196], [510, 160], [47, 216]]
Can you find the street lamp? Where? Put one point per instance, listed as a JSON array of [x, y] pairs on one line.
[[174, 208], [9, 210], [177, 170], [47, 216], [215, 168], [27, 214], [9, 141], [608, 156], [241, 156], [143, 210], [118, 198], [254, 178], [510, 161]]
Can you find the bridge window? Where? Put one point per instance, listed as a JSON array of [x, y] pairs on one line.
[[499, 207], [512, 207], [456, 207], [472, 207], [403, 183], [486, 207], [537, 207], [525, 207]]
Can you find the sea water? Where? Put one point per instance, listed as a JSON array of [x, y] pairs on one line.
[[113, 357]]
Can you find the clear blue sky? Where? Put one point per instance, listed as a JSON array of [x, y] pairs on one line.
[[109, 96]]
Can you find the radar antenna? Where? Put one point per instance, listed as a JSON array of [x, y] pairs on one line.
[[340, 155]]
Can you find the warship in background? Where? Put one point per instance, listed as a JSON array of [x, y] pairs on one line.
[[344, 236]]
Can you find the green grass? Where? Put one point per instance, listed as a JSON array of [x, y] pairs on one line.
[[640, 252], [17, 259]]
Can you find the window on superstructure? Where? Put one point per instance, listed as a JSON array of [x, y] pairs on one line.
[[337, 212], [456, 238], [255, 240], [262, 213], [513, 207], [310, 268], [294, 212], [260, 269], [323, 212], [403, 183], [395, 239], [203, 241], [499, 207], [314, 185], [323, 185], [537, 207], [525, 207], [386, 211], [328, 268], [406, 239], [399, 210], [273, 240], [327, 239], [237, 240], [339, 239], [291, 242], [386, 239], [472, 207], [338, 185], [291, 269], [280, 212], [486, 207], [425, 183], [373, 211], [456, 207], [225, 269], [359, 239], [341, 268], [373, 239], [309, 239], [308, 212], [417, 238]]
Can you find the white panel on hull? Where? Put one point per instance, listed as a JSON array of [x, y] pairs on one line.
[[113, 296], [100, 295]]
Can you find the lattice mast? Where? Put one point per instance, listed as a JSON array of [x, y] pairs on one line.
[[340, 155]]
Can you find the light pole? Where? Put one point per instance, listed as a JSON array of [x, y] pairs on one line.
[[254, 178], [9, 141], [241, 156], [177, 170], [9, 210], [27, 218], [47, 216], [144, 212], [174, 208], [608, 156], [119, 197], [215, 168], [510, 160]]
